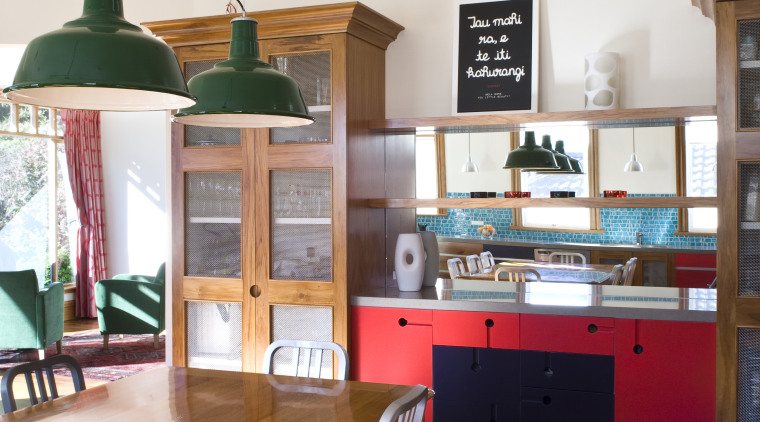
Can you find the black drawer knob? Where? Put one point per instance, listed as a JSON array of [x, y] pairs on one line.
[[476, 367], [592, 328], [489, 323], [638, 349], [547, 400], [402, 322]]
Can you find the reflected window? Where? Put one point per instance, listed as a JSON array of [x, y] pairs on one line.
[[699, 174], [430, 169]]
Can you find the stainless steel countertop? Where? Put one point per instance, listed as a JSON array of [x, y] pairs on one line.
[[582, 246], [627, 302]]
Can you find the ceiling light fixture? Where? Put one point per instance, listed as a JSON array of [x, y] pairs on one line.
[[100, 62], [633, 165], [563, 161], [244, 91], [530, 156], [469, 166]]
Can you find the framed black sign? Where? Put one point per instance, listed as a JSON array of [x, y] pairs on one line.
[[497, 57]]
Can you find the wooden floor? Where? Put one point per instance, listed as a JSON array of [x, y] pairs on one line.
[[63, 384]]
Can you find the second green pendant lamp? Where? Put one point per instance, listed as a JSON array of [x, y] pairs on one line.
[[530, 156], [244, 91]]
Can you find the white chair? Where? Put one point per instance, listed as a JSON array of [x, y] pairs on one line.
[[486, 261], [408, 408], [310, 353], [567, 257], [628, 270], [473, 264], [516, 274], [456, 268], [616, 276]]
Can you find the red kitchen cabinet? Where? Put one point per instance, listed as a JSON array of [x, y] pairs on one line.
[[476, 329], [695, 270], [569, 334], [664, 371], [393, 346]]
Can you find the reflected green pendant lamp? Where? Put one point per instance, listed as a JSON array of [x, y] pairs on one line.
[[563, 160], [100, 62], [244, 91], [575, 164], [530, 156]]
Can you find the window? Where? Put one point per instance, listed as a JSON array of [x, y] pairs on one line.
[[696, 146], [578, 144], [430, 169], [37, 214]]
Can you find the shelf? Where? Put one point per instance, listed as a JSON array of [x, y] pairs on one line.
[[749, 225], [320, 108], [296, 220], [215, 220], [749, 64], [635, 117], [630, 202]]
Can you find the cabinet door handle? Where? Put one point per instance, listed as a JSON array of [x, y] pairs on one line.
[[255, 291], [402, 322], [489, 323]]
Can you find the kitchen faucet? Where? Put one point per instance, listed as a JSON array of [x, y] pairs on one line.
[[639, 238]]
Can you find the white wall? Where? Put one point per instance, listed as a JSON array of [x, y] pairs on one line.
[[489, 150], [656, 150]]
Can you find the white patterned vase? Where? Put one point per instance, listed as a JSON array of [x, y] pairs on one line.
[[602, 81], [409, 262]]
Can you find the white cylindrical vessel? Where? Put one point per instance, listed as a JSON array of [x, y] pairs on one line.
[[602, 81], [430, 243], [409, 262]]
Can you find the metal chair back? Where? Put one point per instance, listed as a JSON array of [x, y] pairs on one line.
[[516, 274], [37, 368], [408, 408], [307, 358]]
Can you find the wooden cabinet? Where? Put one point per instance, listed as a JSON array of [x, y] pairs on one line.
[[267, 225], [664, 370], [654, 269], [476, 329]]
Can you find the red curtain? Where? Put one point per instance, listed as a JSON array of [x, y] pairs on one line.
[[82, 140]]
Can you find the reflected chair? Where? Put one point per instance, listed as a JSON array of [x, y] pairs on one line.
[[567, 257], [37, 368], [456, 268], [473, 264], [486, 261], [407, 408], [516, 274], [616, 276], [32, 318], [629, 270], [131, 304], [306, 354]]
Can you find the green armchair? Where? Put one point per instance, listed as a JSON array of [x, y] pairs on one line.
[[131, 304], [32, 318]]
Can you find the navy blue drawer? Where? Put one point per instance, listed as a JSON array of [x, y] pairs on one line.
[[568, 371], [548, 405]]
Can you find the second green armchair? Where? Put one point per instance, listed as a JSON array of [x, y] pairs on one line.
[[131, 304]]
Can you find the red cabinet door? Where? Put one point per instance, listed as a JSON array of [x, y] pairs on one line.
[[476, 329], [569, 334], [664, 371]]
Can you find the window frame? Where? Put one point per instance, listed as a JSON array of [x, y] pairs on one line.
[[440, 156], [681, 190], [595, 220]]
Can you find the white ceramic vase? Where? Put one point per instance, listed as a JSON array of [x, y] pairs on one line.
[[602, 81], [409, 262], [430, 243]]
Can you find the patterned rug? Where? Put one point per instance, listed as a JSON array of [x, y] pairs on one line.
[[124, 357]]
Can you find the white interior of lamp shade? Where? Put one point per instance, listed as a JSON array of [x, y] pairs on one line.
[[99, 98], [241, 120]]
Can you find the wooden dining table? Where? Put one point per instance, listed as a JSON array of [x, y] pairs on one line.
[[555, 272], [180, 394]]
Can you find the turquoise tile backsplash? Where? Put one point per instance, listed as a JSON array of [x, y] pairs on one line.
[[619, 224]]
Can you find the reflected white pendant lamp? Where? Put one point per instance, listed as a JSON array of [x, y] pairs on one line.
[[633, 164], [469, 166]]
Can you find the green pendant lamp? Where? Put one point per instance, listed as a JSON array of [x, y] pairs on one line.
[[563, 160], [244, 91], [100, 62], [530, 156], [575, 164]]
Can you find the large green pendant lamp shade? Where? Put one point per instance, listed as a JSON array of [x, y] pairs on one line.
[[530, 156], [562, 160], [244, 91], [575, 164], [100, 62]]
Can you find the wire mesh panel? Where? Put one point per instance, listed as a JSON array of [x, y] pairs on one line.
[[212, 224], [207, 136], [313, 323], [301, 243], [312, 72], [749, 74], [214, 335], [748, 391], [749, 229]]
